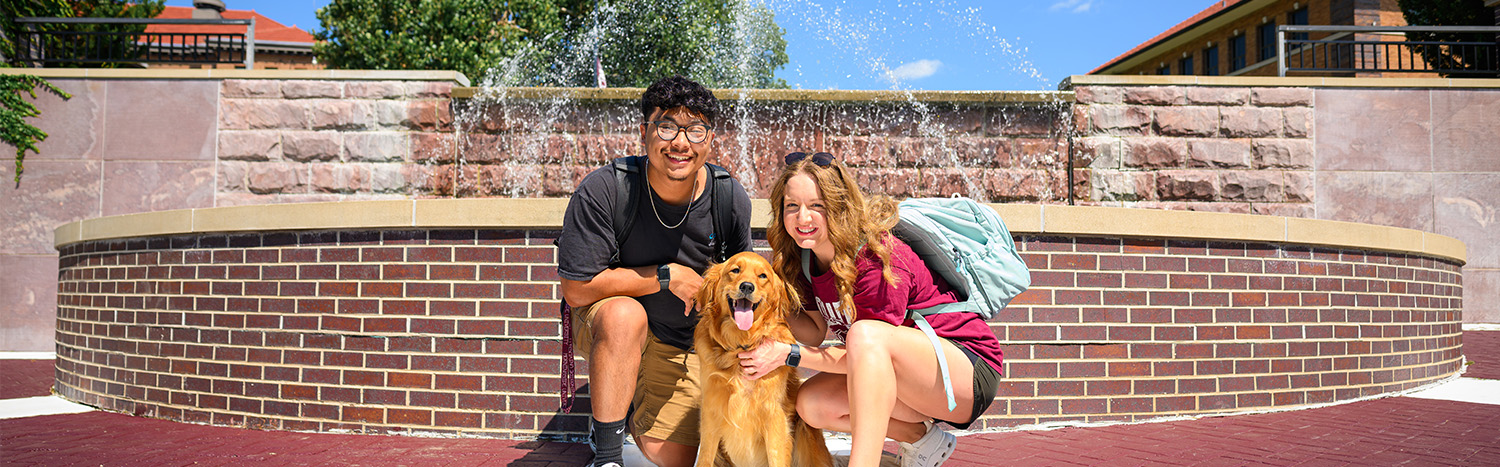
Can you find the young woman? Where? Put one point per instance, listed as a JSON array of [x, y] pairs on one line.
[[862, 282]]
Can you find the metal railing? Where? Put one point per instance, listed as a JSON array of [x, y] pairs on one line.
[[1344, 52], [38, 47]]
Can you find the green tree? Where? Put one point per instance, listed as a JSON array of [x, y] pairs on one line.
[[467, 36], [1454, 13], [720, 43], [121, 41]]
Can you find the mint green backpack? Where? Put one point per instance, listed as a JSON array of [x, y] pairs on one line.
[[968, 245]]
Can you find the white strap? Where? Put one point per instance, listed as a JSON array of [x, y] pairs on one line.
[[942, 362]]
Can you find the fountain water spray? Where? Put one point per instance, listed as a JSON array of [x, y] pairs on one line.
[[513, 139]]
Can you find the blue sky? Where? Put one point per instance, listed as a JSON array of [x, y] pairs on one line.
[[1007, 45]]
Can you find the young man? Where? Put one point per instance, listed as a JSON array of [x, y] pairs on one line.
[[633, 315]]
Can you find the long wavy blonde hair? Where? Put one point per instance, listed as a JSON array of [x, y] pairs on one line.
[[854, 221]]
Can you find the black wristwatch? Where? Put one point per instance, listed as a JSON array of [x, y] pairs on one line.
[[664, 276], [795, 357]]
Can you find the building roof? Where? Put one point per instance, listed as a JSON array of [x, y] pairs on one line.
[[266, 29], [1218, 8]]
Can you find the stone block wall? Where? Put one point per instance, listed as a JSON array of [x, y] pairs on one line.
[[115, 147], [287, 141], [1224, 149], [1003, 150]]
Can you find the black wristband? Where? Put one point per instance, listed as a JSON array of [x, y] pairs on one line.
[[795, 357], [664, 276]]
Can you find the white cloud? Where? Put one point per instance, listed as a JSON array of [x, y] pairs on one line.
[[1074, 6], [916, 70]]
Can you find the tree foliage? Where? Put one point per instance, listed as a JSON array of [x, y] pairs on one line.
[[122, 45], [720, 43], [462, 35], [1453, 13]]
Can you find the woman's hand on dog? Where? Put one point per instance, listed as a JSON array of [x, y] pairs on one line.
[[769, 355], [685, 285]]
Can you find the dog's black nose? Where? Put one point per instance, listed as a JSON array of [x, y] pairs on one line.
[[747, 288]]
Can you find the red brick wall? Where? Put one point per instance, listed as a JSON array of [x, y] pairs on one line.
[[455, 331], [1130, 329]]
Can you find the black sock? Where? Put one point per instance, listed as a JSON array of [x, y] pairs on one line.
[[607, 440]]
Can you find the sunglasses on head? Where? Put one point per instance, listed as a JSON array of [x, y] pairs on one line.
[[821, 158]]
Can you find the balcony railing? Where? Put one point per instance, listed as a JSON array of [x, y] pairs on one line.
[[39, 46], [1345, 51]]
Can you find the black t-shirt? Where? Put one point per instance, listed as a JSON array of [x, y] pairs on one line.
[[587, 243]]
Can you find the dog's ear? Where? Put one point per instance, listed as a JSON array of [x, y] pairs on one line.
[[783, 292], [710, 288], [789, 290]]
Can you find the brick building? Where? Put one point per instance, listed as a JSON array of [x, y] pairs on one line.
[[1238, 37], [277, 46]]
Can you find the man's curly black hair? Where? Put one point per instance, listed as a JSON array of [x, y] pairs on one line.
[[678, 91]]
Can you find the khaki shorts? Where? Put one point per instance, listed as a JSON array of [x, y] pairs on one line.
[[667, 394]]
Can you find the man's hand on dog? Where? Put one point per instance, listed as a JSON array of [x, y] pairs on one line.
[[685, 285], [769, 355]]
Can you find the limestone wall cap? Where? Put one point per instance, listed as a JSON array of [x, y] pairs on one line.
[[547, 213]]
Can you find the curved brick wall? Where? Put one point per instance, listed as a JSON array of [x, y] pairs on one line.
[[398, 317]]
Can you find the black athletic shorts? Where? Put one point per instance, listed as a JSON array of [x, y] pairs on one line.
[[986, 382]]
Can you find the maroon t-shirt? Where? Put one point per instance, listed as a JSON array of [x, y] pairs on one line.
[[916, 288]]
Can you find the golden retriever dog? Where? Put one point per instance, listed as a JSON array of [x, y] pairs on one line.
[[753, 423]]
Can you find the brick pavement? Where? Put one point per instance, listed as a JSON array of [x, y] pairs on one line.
[[25, 378], [1377, 432], [100, 438], [1483, 349]]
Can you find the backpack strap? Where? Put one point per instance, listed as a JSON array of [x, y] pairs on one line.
[[628, 186], [629, 191], [721, 186], [937, 348], [807, 264]]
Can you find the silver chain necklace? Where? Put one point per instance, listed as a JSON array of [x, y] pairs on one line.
[[684, 214]]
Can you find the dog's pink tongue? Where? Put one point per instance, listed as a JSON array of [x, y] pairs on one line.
[[744, 315], [743, 319]]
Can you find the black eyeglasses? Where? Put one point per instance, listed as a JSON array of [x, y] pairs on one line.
[[667, 130], [821, 158]]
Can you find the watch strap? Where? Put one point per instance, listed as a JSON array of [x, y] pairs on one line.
[[795, 356], [664, 276]]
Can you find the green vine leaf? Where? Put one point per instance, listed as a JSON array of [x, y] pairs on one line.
[[14, 109]]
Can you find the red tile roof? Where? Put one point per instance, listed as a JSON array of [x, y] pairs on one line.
[[1210, 12], [266, 29]]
